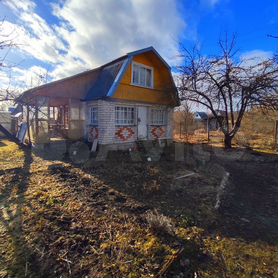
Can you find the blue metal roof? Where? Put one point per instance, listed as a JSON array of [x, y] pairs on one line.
[[203, 115], [106, 79]]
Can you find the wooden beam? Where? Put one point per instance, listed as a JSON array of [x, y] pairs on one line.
[[36, 119], [28, 125], [276, 135], [10, 136]]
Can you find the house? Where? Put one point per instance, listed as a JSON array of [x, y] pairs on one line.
[[208, 119], [200, 116], [131, 98], [10, 119], [213, 122], [5, 121]]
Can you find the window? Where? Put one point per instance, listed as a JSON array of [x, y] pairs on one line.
[[93, 115], [142, 75], [124, 115], [158, 117]]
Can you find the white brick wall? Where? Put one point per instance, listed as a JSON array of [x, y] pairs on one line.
[[106, 121], [170, 122]]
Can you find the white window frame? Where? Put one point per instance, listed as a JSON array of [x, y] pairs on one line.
[[158, 116], [145, 67], [93, 110], [125, 115]]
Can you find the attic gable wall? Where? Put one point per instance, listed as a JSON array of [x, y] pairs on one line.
[[162, 93]]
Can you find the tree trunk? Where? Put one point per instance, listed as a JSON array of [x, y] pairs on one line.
[[228, 141]]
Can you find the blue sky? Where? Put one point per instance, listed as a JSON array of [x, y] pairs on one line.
[[66, 37], [250, 21]]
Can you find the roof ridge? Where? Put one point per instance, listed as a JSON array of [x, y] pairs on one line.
[[76, 75], [62, 80], [129, 54]]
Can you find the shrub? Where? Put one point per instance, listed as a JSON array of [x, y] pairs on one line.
[[159, 223]]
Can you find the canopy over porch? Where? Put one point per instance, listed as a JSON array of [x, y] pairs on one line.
[[55, 117], [56, 109]]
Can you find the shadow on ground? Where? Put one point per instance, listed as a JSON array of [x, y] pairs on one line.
[[16, 256]]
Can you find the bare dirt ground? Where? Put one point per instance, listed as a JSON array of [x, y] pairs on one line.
[[127, 218]]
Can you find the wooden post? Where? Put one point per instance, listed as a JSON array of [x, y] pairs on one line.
[[208, 129], [276, 135], [28, 125], [36, 120], [69, 117], [185, 130], [48, 117]]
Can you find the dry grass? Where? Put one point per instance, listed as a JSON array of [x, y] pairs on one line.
[[159, 223], [256, 132], [243, 139]]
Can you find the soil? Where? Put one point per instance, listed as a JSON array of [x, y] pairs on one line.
[[92, 219]]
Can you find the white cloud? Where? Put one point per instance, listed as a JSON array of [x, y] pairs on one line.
[[40, 45], [259, 54], [33, 76], [254, 57], [36, 37], [98, 31], [92, 32], [24, 5], [16, 78], [4, 80]]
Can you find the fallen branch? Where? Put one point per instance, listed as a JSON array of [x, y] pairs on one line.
[[185, 176], [166, 266], [224, 266]]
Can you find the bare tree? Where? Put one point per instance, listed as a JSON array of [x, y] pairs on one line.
[[226, 82], [184, 119], [10, 95], [6, 44]]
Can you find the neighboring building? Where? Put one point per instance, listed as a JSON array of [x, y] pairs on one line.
[[209, 119], [5, 121], [200, 116], [10, 119], [129, 99]]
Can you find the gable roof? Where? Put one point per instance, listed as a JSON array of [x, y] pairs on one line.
[[148, 49], [202, 115], [98, 83], [205, 116]]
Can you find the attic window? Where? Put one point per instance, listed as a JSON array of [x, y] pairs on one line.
[[142, 75]]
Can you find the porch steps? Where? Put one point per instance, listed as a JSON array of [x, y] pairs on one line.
[[149, 150]]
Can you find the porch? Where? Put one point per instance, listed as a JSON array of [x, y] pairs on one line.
[[55, 118]]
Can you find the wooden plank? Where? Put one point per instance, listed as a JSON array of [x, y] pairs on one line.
[[22, 132], [185, 176], [94, 145], [9, 135], [276, 135]]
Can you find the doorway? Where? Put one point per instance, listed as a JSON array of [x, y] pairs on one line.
[[142, 123]]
